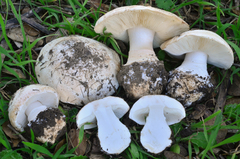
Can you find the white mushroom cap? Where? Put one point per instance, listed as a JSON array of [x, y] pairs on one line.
[[26, 96], [105, 113], [217, 49], [156, 112], [118, 21], [78, 68]]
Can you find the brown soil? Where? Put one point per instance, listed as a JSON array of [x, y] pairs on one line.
[[145, 78], [81, 53], [47, 120]]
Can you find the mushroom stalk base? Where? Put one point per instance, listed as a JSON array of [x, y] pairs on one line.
[[189, 89], [49, 125], [144, 78], [155, 135], [113, 135]]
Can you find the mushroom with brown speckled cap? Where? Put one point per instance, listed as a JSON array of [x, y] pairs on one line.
[[144, 28], [190, 83], [80, 69], [36, 107]]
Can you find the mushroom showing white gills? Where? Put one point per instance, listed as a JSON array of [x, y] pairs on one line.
[[190, 83], [144, 28], [105, 113], [36, 107], [80, 69], [156, 112]]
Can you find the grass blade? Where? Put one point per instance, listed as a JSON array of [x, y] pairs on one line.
[[199, 124], [232, 139], [38, 148]]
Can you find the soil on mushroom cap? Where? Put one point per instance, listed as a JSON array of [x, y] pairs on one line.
[[47, 119], [81, 53], [144, 78], [189, 89], [79, 69]]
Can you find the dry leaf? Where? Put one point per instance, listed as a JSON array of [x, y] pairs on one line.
[[39, 43], [15, 142], [236, 11], [96, 147], [59, 145], [18, 44], [16, 35], [30, 30], [5, 46], [25, 9], [18, 71], [73, 142], [198, 112], [183, 151], [97, 156], [8, 131], [234, 100], [234, 89], [2, 57], [172, 155]]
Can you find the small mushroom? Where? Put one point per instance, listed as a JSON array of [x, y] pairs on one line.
[[105, 113], [80, 69], [36, 107], [156, 112], [144, 28], [190, 83]]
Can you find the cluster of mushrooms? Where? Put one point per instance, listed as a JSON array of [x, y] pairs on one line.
[[84, 72]]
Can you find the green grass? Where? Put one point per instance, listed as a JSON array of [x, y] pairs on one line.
[[200, 143]]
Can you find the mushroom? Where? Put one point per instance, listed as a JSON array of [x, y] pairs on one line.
[[190, 83], [78, 68], [36, 107], [156, 112], [114, 137], [144, 28]]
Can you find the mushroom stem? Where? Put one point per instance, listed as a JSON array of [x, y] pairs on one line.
[[196, 63], [111, 130], [34, 109], [156, 132], [141, 45]]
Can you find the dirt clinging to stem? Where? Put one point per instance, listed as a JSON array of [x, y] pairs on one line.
[[143, 78], [189, 89], [49, 124]]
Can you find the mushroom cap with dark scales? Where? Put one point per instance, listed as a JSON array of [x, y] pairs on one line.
[[48, 126], [78, 68], [189, 89], [143, 78]]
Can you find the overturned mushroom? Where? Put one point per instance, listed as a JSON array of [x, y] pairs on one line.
[[78, 68], [36, 106], [144, 28], [190, 82], [105, 113], [156, 112]]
